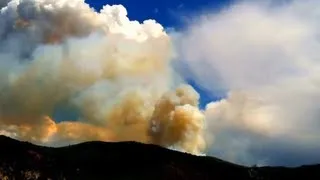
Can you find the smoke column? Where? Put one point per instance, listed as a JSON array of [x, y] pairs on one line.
[[116, 73]]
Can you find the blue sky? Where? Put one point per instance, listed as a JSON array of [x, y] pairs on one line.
[[170, 14], [166, 12]]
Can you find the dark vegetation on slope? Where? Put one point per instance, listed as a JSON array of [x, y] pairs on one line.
[[125, 161]]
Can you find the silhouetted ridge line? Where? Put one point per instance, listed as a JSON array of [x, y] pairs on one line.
[[127, 160]]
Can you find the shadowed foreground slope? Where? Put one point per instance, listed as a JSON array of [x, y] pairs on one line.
[[127, 160]]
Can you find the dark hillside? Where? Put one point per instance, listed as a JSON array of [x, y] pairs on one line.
[[124, 161]]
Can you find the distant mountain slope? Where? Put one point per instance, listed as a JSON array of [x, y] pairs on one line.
[[125, 161]]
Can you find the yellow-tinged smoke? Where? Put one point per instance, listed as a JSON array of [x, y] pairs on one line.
[[115, 72]]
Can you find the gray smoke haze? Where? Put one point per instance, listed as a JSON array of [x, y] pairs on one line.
[[265, 57]]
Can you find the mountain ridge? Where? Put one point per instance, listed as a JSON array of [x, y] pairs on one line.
[[127, 160]]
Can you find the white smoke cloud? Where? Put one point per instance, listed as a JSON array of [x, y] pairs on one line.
[[265, 57], [114, 71]]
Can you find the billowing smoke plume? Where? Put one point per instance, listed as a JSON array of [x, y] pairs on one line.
[[116, 76], [265, 58], [114, 73]]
